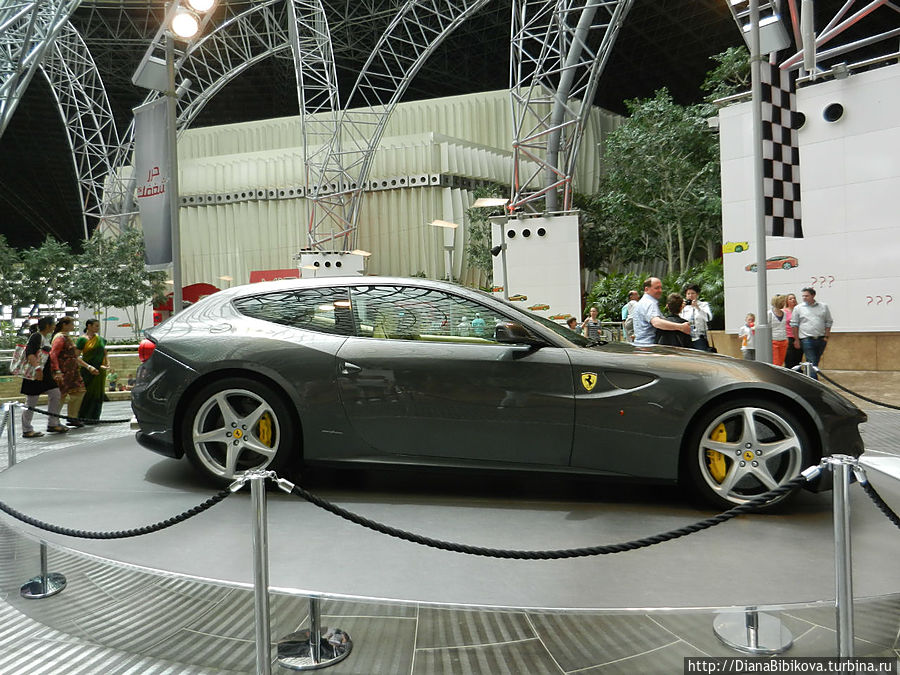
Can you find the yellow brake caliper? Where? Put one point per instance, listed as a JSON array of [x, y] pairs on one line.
[[716, 460], [265, 430]]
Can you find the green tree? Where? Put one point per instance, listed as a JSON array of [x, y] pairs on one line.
[[46, 274], [730, 76], [111, 273], [660, 196], [10, 273], [478, 233]]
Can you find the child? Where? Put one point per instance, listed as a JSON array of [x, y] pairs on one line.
[[778, 319], [746, 333]]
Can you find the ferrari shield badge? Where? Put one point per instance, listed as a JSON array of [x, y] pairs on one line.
[[589, 381]]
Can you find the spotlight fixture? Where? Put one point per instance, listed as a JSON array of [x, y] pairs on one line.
[[185, 24], [444, 223], [496, 250], [201, 6], [489, 201]]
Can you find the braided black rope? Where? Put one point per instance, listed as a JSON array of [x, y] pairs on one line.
[[118, 534], [864, 398], [85, 420], [747, 507], [880, 503]]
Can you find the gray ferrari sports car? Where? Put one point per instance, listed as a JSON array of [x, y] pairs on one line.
[[378, 370]]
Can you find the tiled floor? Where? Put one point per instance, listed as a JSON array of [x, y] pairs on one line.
[[114, 620]]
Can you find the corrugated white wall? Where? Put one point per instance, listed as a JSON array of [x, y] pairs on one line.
[[237, 178]]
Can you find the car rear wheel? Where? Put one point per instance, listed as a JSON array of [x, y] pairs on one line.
[[235, 425], [742, 449]]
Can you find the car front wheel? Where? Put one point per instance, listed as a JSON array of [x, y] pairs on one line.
[[742, 449], [235, 425]]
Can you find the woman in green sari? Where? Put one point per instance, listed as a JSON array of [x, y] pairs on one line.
[[93, 352]]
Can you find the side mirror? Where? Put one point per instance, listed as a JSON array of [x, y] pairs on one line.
[[512, 333]]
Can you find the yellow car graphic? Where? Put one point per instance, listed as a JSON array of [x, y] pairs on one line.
[[735, 246], [518, 298]]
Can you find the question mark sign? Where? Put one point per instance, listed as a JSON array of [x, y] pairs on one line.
[[878, 299], [830, 280], [890, 299], [870, 299]]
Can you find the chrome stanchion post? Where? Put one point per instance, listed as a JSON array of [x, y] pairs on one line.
[[260, 542], [843, 571], [318, 647], [45, 585], [11, 432], [752, 632]]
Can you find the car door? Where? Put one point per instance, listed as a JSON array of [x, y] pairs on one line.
[[424, 377]]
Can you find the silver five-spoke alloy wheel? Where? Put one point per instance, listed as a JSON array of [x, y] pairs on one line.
[[745, 450], [234, 426]]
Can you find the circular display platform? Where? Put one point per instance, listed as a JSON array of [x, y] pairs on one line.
[[765, 560]]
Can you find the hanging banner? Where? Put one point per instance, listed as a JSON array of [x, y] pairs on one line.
[[152, 186]]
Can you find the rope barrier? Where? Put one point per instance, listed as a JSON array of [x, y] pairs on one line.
[[84, 420], [880, 503], [864, 398], [747, 507], [118, 534]]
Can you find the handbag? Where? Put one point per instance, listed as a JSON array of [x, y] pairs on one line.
[[21, 367]]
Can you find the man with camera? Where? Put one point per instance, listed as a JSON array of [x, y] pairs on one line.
[[697, 313]]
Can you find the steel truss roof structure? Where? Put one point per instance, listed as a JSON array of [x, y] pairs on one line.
[[372, 50]]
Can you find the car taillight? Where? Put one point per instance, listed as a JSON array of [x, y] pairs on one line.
[[145, 349]]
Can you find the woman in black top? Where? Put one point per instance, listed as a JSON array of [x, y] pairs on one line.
[[37, 352], [673, 338]]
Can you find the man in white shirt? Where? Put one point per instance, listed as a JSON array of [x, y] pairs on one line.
[[647, 317], [811, 322], [696, 312]]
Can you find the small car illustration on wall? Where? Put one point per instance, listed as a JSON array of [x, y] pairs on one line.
[[539, 308], [518, 298], [735, 246], [779, 262]]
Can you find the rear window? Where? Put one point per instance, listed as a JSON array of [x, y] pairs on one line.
[[325, 310]]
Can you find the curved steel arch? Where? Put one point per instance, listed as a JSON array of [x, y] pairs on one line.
[[412, 36], [86, 113], [554, 72], [245, 39], [27, 30]]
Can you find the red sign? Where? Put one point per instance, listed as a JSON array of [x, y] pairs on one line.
[[273, 275]]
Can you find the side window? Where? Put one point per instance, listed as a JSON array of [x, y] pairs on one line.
[[406, 313], [325, 310]]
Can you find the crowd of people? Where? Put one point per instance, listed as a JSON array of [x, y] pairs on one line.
[[67, 371], [797, 330]]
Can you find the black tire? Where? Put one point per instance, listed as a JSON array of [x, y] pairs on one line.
[[256, 431], [751, 459]]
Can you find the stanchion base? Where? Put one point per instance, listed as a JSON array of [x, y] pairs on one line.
[[34, 589], [294, 650], [772, 637]]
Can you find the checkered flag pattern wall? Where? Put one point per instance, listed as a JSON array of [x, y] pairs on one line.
[[781, 152]]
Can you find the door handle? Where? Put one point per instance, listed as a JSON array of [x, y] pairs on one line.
[[350, 369]]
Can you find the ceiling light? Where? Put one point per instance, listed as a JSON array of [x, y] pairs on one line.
[[185, 24], [201, 5], [489, 201], [444, 223], [358, 251]]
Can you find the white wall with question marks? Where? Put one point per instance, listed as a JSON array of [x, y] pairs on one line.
[[850, 201]]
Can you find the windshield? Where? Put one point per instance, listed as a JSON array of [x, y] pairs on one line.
[[563, 331]]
